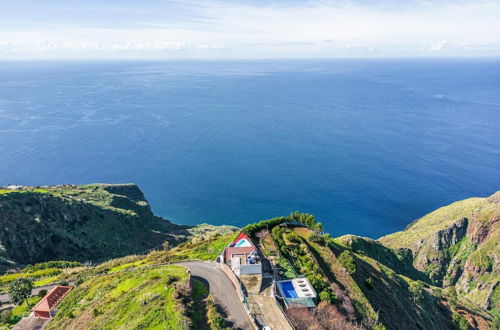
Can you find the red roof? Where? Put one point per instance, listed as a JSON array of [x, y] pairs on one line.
[[52, 298], [241, 236]]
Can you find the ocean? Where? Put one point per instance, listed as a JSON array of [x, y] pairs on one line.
[[367, 146]]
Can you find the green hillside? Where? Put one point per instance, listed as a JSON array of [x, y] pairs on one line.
[[458, 245], [90, 222], [440, 273], [147, 298]]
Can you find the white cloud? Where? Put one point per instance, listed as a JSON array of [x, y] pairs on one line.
[[321, 29]]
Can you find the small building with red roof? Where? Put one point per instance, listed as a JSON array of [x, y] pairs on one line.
[[242, 256], [45, 307]]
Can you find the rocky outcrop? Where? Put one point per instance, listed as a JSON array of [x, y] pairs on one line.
[[434, 254], [458, 245]]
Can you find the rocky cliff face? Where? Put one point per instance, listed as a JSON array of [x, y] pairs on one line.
[[91, 222], [458, 245]]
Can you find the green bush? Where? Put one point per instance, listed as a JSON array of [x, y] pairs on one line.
[[369, 283], [460, 321], [327, 295], [42, 293], [318, 239], [416, 290], [292, 237], [346, 259], [271, 223]]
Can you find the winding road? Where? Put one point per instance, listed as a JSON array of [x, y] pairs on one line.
[[222, 290]]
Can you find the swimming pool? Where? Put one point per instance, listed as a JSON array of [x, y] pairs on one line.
[[288, 290]]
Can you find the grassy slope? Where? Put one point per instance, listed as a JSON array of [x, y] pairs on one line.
[[136, 291], [143, 298], [389, 296], [398, 260], [432, 222], [124, 292], [327, 256]]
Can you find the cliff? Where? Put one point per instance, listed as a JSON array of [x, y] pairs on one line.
[[458, 245], [89, 222]]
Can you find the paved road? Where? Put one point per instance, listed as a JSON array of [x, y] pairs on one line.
[[4, 298], [222, 290]]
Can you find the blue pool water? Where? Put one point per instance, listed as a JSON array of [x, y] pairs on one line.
[[288, 290], [242, 242], [365, 145]]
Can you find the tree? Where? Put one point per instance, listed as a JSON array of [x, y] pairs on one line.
[[20, 290], [416, 289]]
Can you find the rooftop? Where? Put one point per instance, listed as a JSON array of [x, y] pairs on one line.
[[52, 298]]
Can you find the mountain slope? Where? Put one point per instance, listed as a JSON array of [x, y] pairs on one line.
[[89, 222], [458, 245], [439, 273]]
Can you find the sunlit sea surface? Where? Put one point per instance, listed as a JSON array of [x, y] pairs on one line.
[[365, 145]]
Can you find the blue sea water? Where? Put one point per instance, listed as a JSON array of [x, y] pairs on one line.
[[365, 145]]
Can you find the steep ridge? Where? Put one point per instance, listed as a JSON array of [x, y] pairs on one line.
[[70, 222], [458, 245]]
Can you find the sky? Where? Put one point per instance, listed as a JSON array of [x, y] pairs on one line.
[[233, 29]]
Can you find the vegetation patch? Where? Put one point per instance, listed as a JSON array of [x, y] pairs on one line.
[[145, 298]]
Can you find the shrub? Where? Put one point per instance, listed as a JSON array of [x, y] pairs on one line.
[[416, 289], [346, 259], [271, 223], [495, 324], [318, 239], [369, 283], [42, 293], [5, 316], [437, 293], [327, 295], [460, 321], [292, 237]]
